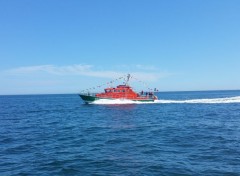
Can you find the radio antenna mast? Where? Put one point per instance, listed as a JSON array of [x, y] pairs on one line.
[[128, 77]]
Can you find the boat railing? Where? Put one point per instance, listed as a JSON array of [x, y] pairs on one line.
[[146, 95], [139, 95], [88, 94]]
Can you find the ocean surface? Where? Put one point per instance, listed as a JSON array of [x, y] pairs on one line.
[[183, 133]]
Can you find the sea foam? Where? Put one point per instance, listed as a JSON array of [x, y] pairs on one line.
[[192, 101]]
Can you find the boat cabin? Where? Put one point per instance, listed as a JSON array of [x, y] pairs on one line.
[[121, 91]]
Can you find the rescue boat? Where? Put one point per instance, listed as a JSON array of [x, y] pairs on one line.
[[122, 92]]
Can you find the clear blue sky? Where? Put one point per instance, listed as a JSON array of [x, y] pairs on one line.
[[65, 46]]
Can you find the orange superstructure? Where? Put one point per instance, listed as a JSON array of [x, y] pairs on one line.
[[125, 92]]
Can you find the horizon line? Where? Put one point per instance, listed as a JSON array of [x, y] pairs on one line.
[[156, 92]]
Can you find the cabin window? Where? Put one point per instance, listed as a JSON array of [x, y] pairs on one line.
[[123, 90]]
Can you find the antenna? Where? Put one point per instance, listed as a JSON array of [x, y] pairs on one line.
[[128, 77]]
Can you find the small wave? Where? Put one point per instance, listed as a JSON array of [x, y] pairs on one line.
[[191, 101]]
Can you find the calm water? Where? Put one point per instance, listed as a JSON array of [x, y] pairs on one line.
[[59, 135]]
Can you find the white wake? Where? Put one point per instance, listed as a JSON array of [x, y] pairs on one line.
[[192, 101], [210, 100]]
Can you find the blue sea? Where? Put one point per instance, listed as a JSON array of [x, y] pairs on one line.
[[183, 133]]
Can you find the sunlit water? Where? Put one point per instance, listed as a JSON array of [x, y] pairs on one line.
[[183, 133]]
